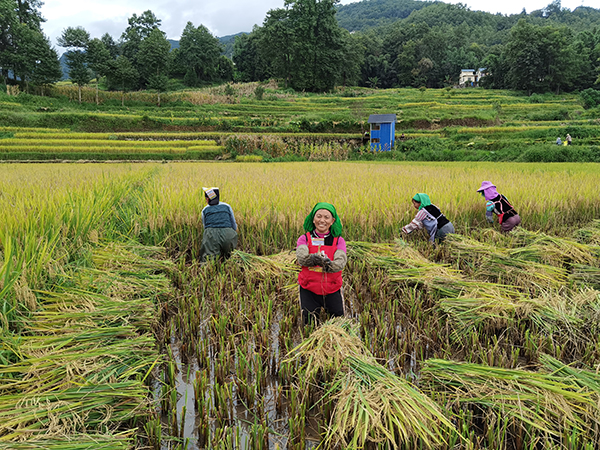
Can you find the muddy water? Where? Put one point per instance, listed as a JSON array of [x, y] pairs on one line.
[[243, 418]]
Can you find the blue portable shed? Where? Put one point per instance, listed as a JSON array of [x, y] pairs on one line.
[[383, 131]]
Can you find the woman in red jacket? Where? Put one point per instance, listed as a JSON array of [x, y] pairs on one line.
[[321, 252]]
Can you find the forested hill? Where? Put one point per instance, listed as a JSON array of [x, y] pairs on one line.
[[367, 14], [373, 13]]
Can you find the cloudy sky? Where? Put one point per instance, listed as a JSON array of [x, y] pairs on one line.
[[221, 17]]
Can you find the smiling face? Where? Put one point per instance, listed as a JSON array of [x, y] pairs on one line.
[[416, 204], [323, 220]]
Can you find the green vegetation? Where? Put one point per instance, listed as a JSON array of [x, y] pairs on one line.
[[437, 124]]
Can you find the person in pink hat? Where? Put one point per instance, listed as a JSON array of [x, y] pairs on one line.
[[498, 204]]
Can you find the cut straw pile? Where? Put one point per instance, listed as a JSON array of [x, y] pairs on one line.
[[79, 367], [508, 266], [547, 402], [371, 403]]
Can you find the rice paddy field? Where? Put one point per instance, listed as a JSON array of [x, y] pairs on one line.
[[229, 122], [114, 337]]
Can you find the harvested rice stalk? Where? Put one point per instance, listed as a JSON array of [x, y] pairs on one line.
[[502, 312], [273, 265], [374, 405], [327, 347], [120, 441], [500, 264], [537, 400], [589, 235], [552, 250], [581, 378]]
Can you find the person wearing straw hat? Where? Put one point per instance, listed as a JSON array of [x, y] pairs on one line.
[[429, 217], [498, 204], [220, 229], [321, 251]]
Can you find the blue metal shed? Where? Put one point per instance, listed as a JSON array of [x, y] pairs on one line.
[[383, 131]]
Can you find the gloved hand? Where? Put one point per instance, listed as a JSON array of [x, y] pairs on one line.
[[316, 260], [327, 264], [489, 216]]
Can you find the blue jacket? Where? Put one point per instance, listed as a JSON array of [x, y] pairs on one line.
[[218, 216]]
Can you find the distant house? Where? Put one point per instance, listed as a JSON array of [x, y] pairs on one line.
[[383, 131], [471, 77]]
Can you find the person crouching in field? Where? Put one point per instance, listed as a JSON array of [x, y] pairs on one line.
[[429, 217], [321, 252], [508, 218], [220, 229]]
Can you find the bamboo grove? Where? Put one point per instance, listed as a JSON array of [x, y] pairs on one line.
[[114, 337]]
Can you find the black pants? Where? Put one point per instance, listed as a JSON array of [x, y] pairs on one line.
[[311, 304]]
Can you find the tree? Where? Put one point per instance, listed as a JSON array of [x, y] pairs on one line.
[[249, 65], [154, 60], [353, 58], [538, 58], [46, 70], [23, 47], [98, 58], [122, 74], [111, 45], [139, 28], [199, 53], [304, 44], [275, 44], [317, 44], [77, 40], [225, 68]]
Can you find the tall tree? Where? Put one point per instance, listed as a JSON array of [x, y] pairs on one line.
[[249, 65], [76, 40], [275, 43], [538, 58], [199, 53], [98, 58], [225, 68], [111, 45], [139, 28], [22, 42], [123, 75], [317, 44], [154, 60], [46, 70]]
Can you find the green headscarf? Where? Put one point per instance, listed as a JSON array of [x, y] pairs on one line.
[[336, 228], [423, 199]]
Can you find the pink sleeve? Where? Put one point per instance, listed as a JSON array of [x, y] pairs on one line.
[[341, 244], [301, 241]]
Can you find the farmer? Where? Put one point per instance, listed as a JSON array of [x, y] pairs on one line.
[[220, 229], [558, 141], [429, 217], [569, 139], [321, 252], [499, 205]]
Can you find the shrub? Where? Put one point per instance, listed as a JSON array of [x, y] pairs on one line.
[[590, 98], [259, 92]]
